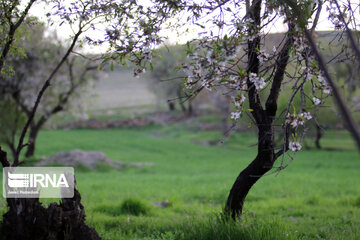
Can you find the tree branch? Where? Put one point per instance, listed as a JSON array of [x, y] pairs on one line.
[[349, 33], [44, 87], [11, 34], [253, 62], [317, 16], [282, 61], [342, 107]]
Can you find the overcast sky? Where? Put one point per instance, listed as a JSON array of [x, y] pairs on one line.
[[65, 32]]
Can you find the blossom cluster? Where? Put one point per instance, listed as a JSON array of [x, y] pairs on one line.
[[208, 64], [263, 56], [259, 82], [296, 120], [334, 16], [294, 146]]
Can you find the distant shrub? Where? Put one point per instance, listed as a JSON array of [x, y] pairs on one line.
[[357, 202], [134, 206]]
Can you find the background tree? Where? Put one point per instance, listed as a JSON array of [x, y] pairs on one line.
[[165, 80], [130, 29], [67, 90]]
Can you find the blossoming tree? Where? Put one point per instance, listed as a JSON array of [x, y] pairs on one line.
[[232, 54]]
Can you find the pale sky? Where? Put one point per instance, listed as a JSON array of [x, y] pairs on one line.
[[174, 37]]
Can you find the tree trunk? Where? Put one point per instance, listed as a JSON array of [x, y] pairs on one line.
[[171, 106], [180, 99], [28, 219], [190, 110], [34, 130], [318, 136], [254, 171]]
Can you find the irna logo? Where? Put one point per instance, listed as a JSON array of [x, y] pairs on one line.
[[42, 182], [35, 180]]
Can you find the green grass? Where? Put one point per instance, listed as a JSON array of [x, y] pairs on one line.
[[316, 197]]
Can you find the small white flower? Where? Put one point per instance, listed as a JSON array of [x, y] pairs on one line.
[[294, 146], [321, 78], [274, 49], [252, 77], [263, 56], [306, 115], [308, 76], [327, 89], [294, 120], [260, 84], [316, 101], [239, 100], [236, 115]]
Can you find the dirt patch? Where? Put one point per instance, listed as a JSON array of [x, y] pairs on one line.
[[91, 160], [161, 118], [103, 124]]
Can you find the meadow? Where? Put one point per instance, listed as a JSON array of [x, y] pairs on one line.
[[316, 197]]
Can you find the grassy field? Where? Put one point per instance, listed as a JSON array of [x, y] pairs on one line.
[[316, 197]]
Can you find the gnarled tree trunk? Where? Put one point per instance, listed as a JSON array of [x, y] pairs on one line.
[[254, 171], [28, 219]]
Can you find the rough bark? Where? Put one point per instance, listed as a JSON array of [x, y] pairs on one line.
[[28, 219]]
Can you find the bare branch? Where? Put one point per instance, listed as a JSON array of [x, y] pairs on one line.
[[342, 107], [354, 45], [44, 87]]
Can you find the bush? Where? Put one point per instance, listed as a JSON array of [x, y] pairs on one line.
[[131, 206], [134, 206]]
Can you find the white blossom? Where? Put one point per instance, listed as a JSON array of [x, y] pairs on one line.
[[306, 115], [294, 120], [263, 56], [252, 77], [308, 74], [321, 78], [294, 146], [316, 101], [327, 89], [239, 100], [259, 83], [236, 115]]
